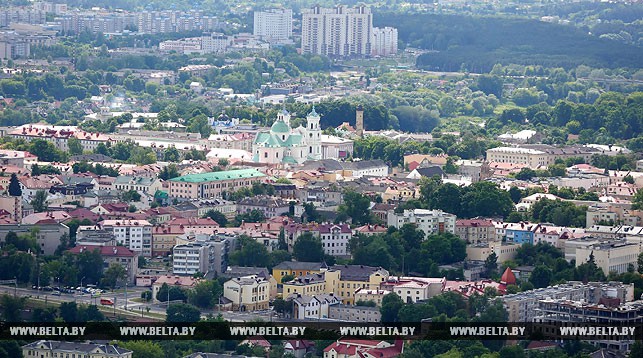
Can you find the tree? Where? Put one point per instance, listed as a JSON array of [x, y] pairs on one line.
[[391, 304], [204, 294], [310, 213], [199, 124], [44, 315], [39, 201], [282, 306], [217, 216], [11, 307], [490, 84], [45, 169], [254, 216], [173, 293], [308, 248], [525, 174], [636, 349], [182, 312], [491, 264], [448, 106], [74, 145], [493, 312], [516, 194], [130, 195], [541, 276], [512, 352], [46, 151], [90, 313], [143, 349], [69, 311], [513, 115], [639, 261], [450, 167], [356, 206], [14, 186], [251, 254], [71, 268], [169, 172], [114, 273], [637, 201], [172, 154]]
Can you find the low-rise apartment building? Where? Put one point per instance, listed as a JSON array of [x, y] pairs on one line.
[[47, 235], [312, 306], [538, 155], [144, 185], [429, 221], [354, 277], [296, 268], [136, 235], [522, 306], [113, 255], [207, 255], [349, 313], [556, 311], [414, 289], [341, 280], [334, 237], [270, 206], [475, 230], [248, 293], [313, 284], [366, 295]]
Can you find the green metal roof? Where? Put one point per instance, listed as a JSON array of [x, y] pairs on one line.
[[293, 140], [290, 160], [218, 176], [160, 194], [280, 127]]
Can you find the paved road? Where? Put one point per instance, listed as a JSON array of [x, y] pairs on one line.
[[134, 307]]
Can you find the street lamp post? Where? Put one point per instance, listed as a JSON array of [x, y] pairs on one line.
[[126, 271]]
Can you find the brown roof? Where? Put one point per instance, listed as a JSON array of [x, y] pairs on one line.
[[120, 251]]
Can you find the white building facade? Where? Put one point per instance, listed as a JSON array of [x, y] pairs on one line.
[[430, 221], [274, 25], [283, 144], [337, 32], [136, 235], [384, 41]]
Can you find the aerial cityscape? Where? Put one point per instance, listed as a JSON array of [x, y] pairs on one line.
[[333, 179]]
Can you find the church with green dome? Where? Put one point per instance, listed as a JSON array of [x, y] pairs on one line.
[[286, 145]]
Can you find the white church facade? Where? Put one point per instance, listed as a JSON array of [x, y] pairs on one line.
[[286, 145]]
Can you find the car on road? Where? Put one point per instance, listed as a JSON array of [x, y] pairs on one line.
[[55, 293]]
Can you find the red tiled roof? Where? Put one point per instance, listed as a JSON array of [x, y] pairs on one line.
[[508, 277], [474, 222], [541, 345], [189, 222]]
